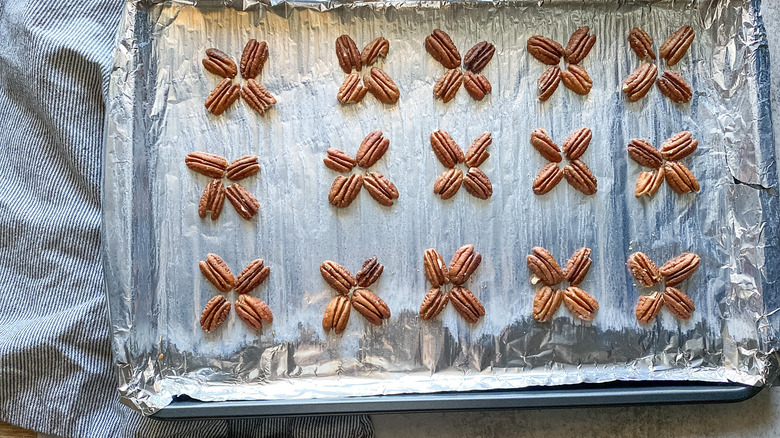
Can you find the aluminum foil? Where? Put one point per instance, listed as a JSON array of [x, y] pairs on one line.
[[153, 237]]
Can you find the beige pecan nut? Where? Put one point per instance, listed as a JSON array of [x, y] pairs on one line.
[[545, 50], [368, 304], [639, 82], [448, 85], [217, 272], [339, 160], [469, 306], [678, 303], [336, 314], [372, 149], [337, 276], [578, 266], [214, 314], [245, 204], [253, 311], [369, 273], [680, 178], [252, 276], [577, 143], [649, 182], [576, 79], [478, 56], [447, 151], [476, 85], [222, 96], [648, 307], [542, 142], [674, 48], [376, 48], [348, 54], [641, 43], [219, 63], [380, 188], [477, 152], [435, 269], [253, 58], [441, 47], [580, 303], [212, 200], [644, 153], [381, 86], [448, 183], [673, 86], [433, 304], [546, 303], [676, 270], [548, 82], [547, 178], [544, 267], [463, 264], [579, 45], [243, 167], [345, 190], [206, 164], [257, 97], [643, 269], [351, 90], [679, 146], [580, 177], [477, 184]]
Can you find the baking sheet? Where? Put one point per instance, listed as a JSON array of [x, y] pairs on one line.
[[153, 238]]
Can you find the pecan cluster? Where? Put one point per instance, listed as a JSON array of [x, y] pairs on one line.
[[665, 164], [671, 274], [443, 50], [226, 92], [251, 310], [344, 190], [549, 52], [465, 261], [376, 81], [671, 84], [576, 172], [366, 302], [547, 271], [449, 154], [217, 167]]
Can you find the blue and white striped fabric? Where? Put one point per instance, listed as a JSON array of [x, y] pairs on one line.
[[56, 373]]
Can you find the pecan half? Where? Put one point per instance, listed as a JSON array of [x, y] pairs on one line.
[[545, 50], [578, 266], [348, 54], [206, 164], [478, 56], [448, 85], [542, 142], [222, 96], [351, 90], [369, 273], [576, 79], [336, 314], [253, 311], [212, 200], [644, 153], [433, 304], [674, 48], [447, 151], [252, 276], [580, 303], [674, 87], [337, 276], [448, 183], [649, 182], [435, 269], [243, 167], [478, 86], [680, 178], [678, 303], [463, 264], [544, 267], [577, 143], [372, 149], [441, 47], [219, 63], [380, 188], [579, 45], [643, 269], [676, 270], [546, 303], [548, 82], [639, 82], [253, 58], [648, 307], [345, 190], [339, 160], [641, 44], [245, 204], [477, 152], [478, 184], [580, 177], [215, 313], [368, 304], [547, 178], [679, 146], [217, 272], [381, 86], [469, 306], [257, 97], [376, 48]]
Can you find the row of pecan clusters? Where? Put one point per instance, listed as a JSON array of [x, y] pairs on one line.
[[376, 81], [550, 52], [576, 172], [671, 84], [442, 49], [671, 274], [226, 92], [548, 299], [251, 310], [217, 167], [463, 264], [366, 302], [450, 155], [665, 163]]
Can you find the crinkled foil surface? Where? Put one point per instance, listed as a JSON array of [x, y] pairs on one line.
[[153, 237]]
